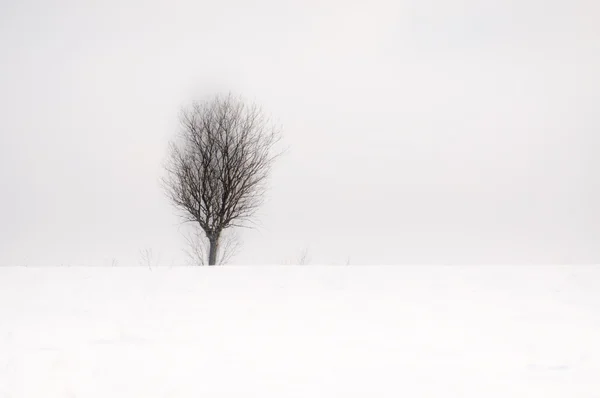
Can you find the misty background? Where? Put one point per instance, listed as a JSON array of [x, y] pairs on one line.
[[418, 131]]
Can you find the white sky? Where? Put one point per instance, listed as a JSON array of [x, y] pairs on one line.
[[419, 131]]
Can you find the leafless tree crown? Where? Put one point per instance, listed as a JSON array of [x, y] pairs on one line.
[[218, 167]]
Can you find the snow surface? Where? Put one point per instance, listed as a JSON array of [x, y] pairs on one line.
[[312, 331]]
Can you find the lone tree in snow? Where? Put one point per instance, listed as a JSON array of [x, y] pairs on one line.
[[218, 167]]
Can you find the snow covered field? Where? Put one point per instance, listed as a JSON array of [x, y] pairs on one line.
[[312, 331]]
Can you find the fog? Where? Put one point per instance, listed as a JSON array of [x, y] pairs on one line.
[[418, 131]]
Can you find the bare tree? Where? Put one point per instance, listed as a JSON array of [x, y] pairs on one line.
[[218, 168]]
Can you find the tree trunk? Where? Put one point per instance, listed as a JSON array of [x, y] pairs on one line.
[[212, 254]]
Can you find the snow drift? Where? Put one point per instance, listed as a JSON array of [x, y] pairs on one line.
[[313, 331]]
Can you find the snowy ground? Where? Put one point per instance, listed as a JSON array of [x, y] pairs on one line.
[[342, 331]]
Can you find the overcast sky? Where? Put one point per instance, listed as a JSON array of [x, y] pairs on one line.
[[420, 131]]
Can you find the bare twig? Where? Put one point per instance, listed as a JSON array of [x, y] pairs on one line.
[[304, 257], [147, 259]]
